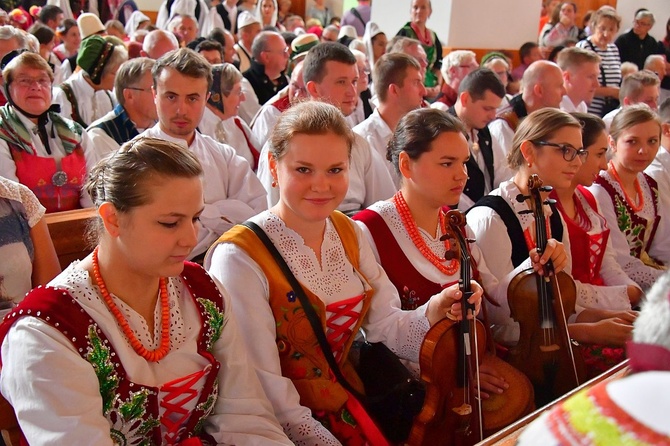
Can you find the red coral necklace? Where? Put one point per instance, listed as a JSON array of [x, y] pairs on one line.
[[638, 190], [408, 222], [149, 355]]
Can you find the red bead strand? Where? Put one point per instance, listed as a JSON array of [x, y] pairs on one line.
[[149, 355]]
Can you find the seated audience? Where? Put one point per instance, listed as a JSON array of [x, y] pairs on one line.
[[580, 78], [248, 28], [40, 148], [343, 281], [629, 199], [182, 81], [528, 53], [86, 96], [399, 88], [68, 34], [659, 169], [221, 119], [641, 87], [135, 111], [270, 58], [185, 27], [330, 75], [455, 67], [605, 24], [133, 345], [28, 254]]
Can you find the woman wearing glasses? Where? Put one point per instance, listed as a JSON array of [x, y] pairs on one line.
[[221, 118], [38, 147], [629, 198], [547, 143]]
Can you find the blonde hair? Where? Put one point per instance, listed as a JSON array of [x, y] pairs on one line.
[[309, 118], [630, 116]]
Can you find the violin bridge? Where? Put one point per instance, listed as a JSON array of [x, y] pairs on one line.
[[549, 348], [463, 410]]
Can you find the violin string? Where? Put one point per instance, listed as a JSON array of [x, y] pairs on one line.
[[567, 333]]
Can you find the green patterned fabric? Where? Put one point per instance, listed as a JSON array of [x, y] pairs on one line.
[[14, 132]]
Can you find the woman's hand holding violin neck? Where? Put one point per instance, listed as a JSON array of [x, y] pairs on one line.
[[447, 303], [554, 251]]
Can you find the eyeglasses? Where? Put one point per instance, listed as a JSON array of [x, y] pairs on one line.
[[363, 72], [569, 152], [27, 82], [645, 24]]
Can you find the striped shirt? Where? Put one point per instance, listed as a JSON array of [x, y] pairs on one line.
[[610, 64]]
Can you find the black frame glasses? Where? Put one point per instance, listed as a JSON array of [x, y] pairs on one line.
[[569, 152]]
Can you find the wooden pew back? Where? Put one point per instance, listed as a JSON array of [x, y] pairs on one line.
[[68, 233]]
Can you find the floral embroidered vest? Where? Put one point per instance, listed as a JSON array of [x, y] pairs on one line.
[[38, 172], [414, 289], [132, 409], [639, 231], [300, 356]]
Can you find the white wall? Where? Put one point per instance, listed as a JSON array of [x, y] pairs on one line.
[[504, 24], [660, 8]]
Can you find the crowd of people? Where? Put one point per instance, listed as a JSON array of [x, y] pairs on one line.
[[230, 126]]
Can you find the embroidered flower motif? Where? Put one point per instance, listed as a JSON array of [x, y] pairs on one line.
[[99, 357], [206, 407], [214, 322], [127, 423], [409, 299]]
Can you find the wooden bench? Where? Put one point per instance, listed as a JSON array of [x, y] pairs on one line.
[[68, 233], [509, 435]]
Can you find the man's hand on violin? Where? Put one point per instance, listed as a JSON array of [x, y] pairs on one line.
[[447, 303], [554, 251]]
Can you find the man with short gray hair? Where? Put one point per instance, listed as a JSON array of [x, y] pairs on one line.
[[135, 111], [455, 66], [270, 58]]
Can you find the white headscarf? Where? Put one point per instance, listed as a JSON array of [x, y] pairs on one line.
[[259, 15], [134, 21], [371, 30]]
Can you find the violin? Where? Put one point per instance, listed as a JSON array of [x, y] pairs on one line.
[[542, 304], [449, 360]]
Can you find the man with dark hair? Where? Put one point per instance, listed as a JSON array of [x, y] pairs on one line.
[[134, 112], [270, 58], [330, 75], [398, 84], [51, 16], [480, 94], [528, 53], [182, 81], [210, 50]]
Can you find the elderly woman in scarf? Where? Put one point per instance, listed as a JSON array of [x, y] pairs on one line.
[[220, 119], [38, 147]]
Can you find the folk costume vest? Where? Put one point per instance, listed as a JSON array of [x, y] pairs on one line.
[[516, 113], [639, 231], [414, 289], [587, 250], [120, 128], [300, 356], [132, 409]]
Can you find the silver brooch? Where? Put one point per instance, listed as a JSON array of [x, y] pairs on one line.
[[59, 178]]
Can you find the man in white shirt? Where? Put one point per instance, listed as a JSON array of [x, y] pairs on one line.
[[135, 111], [330, 75], [248, 27], [86, 95], [640, 87], [222, 15], [480, 94], [542, 87], [580, 78], [659, 169], [398, 84], [182, 80]]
